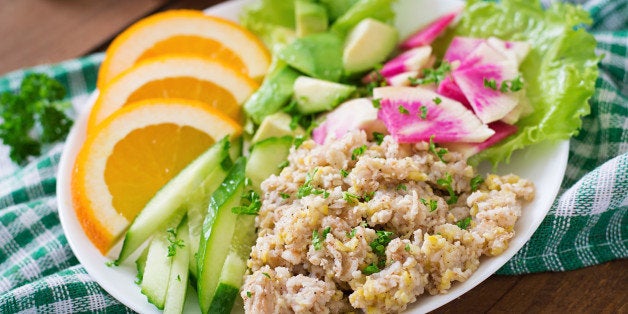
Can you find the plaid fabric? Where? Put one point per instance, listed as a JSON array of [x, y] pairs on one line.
[[586, 225]]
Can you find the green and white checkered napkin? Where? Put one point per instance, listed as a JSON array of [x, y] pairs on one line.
[[587, 224]]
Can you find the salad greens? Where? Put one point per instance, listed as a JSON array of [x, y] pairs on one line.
[[559, 72]]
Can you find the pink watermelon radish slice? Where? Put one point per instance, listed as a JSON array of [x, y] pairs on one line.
[[502, 131], [426, 35], [412, 60], [450, 89], [486, 63], [355, 114], [411, 114]]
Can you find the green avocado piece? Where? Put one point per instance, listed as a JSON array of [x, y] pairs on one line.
[[310, 18], [368, 44], [274, 93], [315, 95], [276, 125], [337, 8], [317, 55]]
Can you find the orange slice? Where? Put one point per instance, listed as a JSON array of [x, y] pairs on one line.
[[132, 154], [176, 76], [185, 31]]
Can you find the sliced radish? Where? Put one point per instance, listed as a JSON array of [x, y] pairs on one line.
[[402, 109], [355, 114], [502, 130], [426, 35]]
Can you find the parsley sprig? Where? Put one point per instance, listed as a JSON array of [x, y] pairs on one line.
[[447, 183], [38, 103], [379, 248], [440, 152], [476, 182], [174, 242], [307, 188], [432, 75], [513, 85], [318, 239], [251, 204]]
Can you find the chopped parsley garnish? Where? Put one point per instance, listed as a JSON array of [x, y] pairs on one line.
[[440, 152], [283, 164], [378, 137], [423, 114], [174, 243], [266, 275], [407, 247], [378, 80], [476, 182], [432, 75], [317, 240], [464, 223], [490, 83], [437, 100], [379, 244], [513, 85], [351, 234], [110, 263], [376, 103], [344, 173], [370, 269], [284, 195], [368, 196], [403, 110], [358, 151], [433, 204], [248, 294], [350, 198], [401, 186], [447, 184], [251, 204], [307, 189], [39, 105]]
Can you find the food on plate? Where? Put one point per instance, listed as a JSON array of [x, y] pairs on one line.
[[381, 205], [353, 224], [189, 32], [210, 81], [132, 154]]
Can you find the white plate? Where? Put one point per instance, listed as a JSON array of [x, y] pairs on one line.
[[544, 164]]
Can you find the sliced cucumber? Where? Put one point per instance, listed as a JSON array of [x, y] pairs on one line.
[[169, 199], [197, 207], [266, 158], [140, 264], [218, 229], [178, 279], [157, 268], [232, 274]]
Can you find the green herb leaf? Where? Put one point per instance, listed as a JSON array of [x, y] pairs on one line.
[[407, 247], [283, 164], [432, 75], [344, 173], [351, 234], [298, 140], [376, 103], [423, 114], [447, 184], [476, 182], [437, 100], [358, 151], [317, 240], [284, 195], [464, 223], [251, 204], [350, 198], [401, 187], [174, 243], [490, 83], [371, 269], [379, 244], [378, 137], [266, 275], [248, 294], [438, 152], [403, 110]]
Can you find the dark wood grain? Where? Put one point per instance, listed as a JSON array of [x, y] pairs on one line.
[[42, 31]]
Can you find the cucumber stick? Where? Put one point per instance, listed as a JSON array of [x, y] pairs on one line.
[[232, 274], [266, 158], [158, 265], [178, 279], [169, 199], [218, 230]]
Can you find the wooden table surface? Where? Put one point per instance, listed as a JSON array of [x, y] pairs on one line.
[[33, 32]]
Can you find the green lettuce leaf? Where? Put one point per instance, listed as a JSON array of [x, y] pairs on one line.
[[559, 72]]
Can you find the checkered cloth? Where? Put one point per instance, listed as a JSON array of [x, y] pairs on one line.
[[586, 225]]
